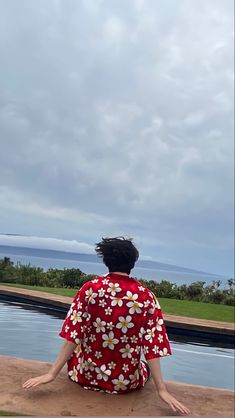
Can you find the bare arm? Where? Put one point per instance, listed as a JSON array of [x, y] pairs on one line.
[[65, 352], [155, 368]]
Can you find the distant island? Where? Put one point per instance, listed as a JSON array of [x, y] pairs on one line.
[[92, 258]]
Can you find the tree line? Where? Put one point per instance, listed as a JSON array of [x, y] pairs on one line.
[[74, 278]]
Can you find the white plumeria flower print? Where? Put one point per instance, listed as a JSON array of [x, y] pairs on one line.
[[102, 373], [156, 349], [92, 338], [120, 383], [74, 374], [145, 349], [95, 281], [105, 281], [73, 334], [126, 352], [84, 341], [66, 328], [110, 325], [92, 298], [146, 303], [101, 292], [141, 333], [124, 323], [83, 327], [88, 375], [71, 309], [134, 306], [79, 305], [150, 322], [108, 311], [114, 288], [134, 361], [109, 340], [159, 324], [160, 338], [86, 315], [94, 382], [89, 365], [134, 377], [129, 296], [163, 352], [89, 293], [76, 317], [102, 303], [112, 365], [150, 334], [137, 349], [98, 354], [99, 325], [88, 349], [80, 365], [125, 368], [141, 288], [133, 339], [116, 301], [124, 339]]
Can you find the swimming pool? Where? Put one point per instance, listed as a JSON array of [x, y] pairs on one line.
[[30, 332]]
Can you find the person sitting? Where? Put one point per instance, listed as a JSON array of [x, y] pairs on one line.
[[114, 331]]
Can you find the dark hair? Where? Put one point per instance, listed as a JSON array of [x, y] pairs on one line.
[[118, 254]]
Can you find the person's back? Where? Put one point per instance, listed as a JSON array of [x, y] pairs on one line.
[[114, 319]]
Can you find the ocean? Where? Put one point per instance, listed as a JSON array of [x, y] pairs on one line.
[[89, 263]]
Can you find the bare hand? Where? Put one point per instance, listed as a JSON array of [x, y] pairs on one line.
[[37, 381], [175, 405]]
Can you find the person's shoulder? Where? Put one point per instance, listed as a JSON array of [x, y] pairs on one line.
[[143, 290], [95, 282], [147, 294]]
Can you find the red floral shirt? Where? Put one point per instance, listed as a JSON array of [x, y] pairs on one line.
[[114, 321]]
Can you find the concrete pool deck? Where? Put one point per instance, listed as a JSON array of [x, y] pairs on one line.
[[175, 322], [65, 398]]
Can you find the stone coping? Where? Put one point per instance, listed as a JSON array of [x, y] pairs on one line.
[[65, 398], [173, 321]]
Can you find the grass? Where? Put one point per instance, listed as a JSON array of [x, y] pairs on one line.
[[9, 414], [200, 310], [169, 306]]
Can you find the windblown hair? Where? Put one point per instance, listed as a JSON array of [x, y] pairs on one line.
[[118, 254]]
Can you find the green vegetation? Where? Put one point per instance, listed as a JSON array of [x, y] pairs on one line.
[[170, 306], [9, 414], [197, 309], [66, 279]]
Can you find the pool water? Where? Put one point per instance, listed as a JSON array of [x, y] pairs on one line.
[[30, 332]]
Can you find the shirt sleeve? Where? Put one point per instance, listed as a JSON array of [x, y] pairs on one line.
[[77, 319], [155, 339]]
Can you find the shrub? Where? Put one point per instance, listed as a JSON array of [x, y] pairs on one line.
[[194, 291], [75, 278], [230, 300]]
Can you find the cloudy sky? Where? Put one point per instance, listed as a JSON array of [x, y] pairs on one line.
[[116, 117]]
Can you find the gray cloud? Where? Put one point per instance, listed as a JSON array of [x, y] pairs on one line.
[[116, 117]]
